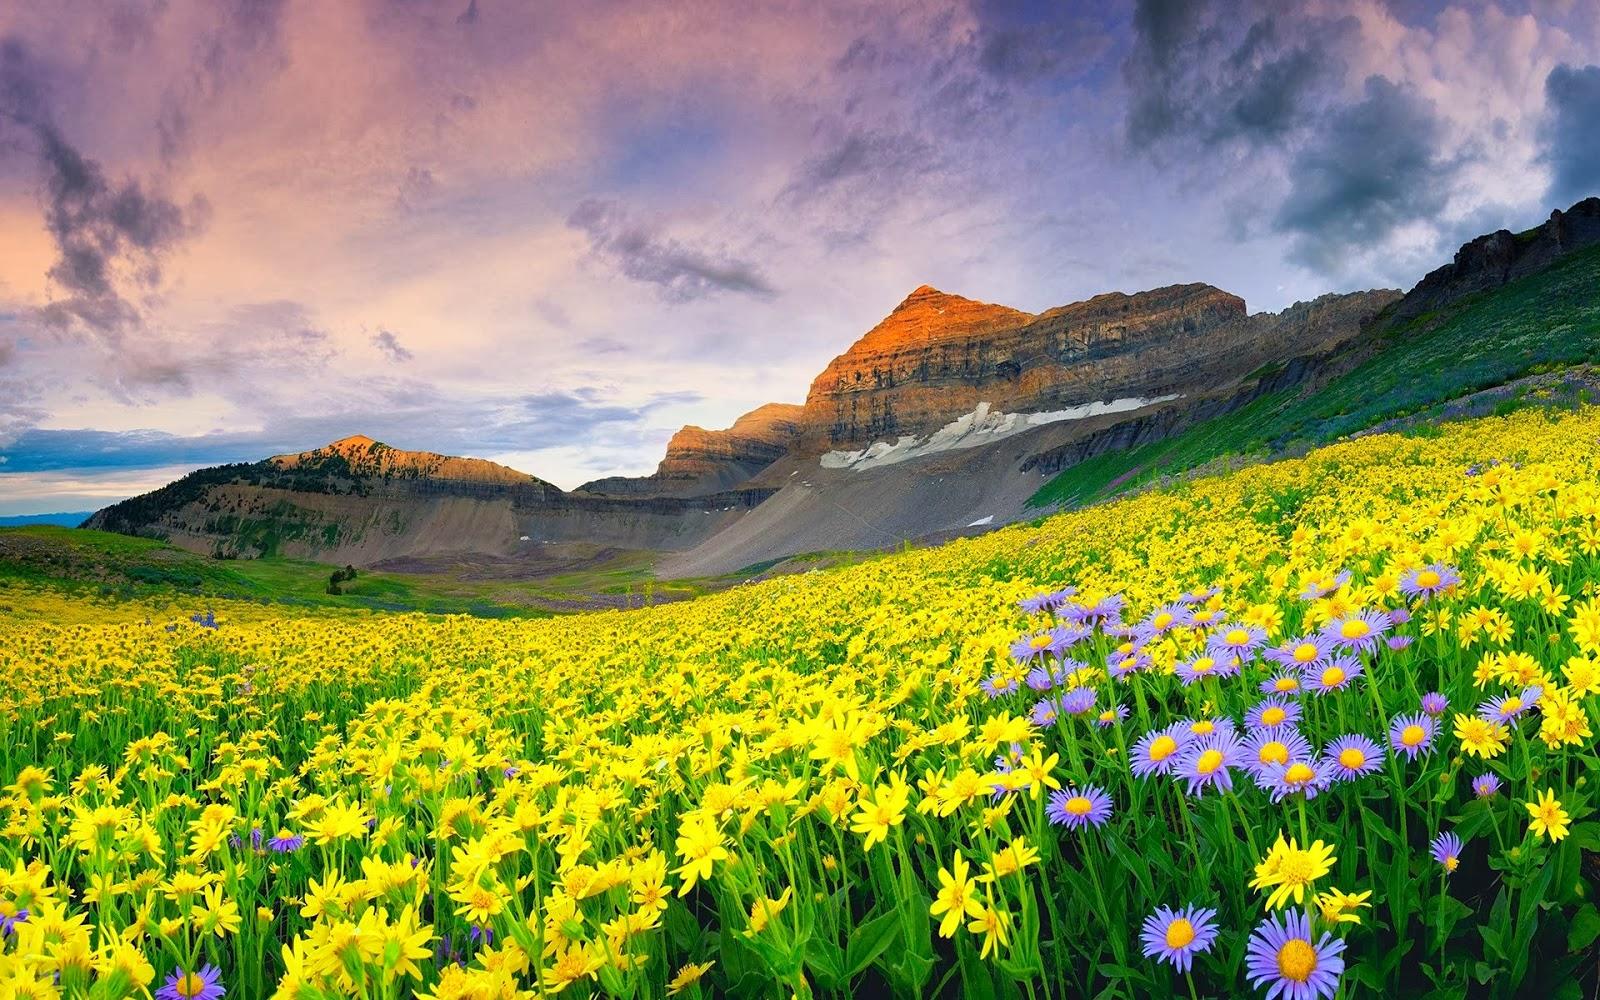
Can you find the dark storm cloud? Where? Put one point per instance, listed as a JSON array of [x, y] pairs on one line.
[[643, 253], [391, 347], [874, 158], [1200, 73], [1374, 167], [1035, 39], [1571, 133], [107, 235]]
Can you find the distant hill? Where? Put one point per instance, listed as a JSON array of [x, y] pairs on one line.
[[68, 519]]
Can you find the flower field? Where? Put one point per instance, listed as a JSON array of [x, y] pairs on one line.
[[1316, 728]]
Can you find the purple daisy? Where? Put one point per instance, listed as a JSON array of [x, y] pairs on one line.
[[1174, 936], [1398, 642], [1352, 756], [1208, 762], [1199, 668], [1446, 849], [1074, 809], [286, 842], [1199, 596], [1236, 640], [1274, 748], [9, 921], [1399, 616], [1078, 701], [997, 686], [1111, 716], [1426, 581], [1047, 601], [1282, 682], [1165, 618], [1435, 704], [1274, 713], [1303, 652], [1037, 645], [1412, 735], [1120, 665], [1286, 960], [1486, 786], [1510, 706], [1300, 777], [1045, 712], [201, 985], [1359, 631], [1334, 675], [1157, 751], [1205, 727]]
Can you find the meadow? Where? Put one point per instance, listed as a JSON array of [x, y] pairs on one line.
[[1315, 728]]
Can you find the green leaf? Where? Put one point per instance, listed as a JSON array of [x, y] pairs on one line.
[[1586, 836], [1585, 928], [826, 962], [869, 941]]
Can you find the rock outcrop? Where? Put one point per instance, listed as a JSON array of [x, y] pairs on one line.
[[1490, 261], [700, 461], [937, 356]]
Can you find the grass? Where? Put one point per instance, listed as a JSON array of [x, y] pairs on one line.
[[1548, 319]]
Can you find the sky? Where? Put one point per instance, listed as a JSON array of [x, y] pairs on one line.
[[552, 233]]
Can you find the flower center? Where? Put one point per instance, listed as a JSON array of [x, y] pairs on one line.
[[1273, 753], [1203, 728], [1451, 863], [1297, 960], [1355, 628], [1163, 747], [1427, 578], [1352, 757], [1333, 676], [1412, 735], [1203, 664], [1179, 933], [191, 985], [1298, 774], [1162, 620], [1209, 761], [1238, 637], [1273, 716], [1306, 652], [1286, 684], [1510, 705], [1079, 806], [1040, 641]]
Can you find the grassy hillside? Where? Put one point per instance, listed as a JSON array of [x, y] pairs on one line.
[[1546, 320], [113, 568]]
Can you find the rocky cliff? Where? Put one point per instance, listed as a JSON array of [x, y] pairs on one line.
[[1490, 261], [937, 356], [700, 461]]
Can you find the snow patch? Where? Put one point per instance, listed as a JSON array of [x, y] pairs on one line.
[[972, 430], [980, 522]]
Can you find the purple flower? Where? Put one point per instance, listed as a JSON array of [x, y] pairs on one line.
[[1047, 601], [1208, 762], [1360, 631], [1165, 618], [1435, 704], [1075, 809], [201, 985], [1203, 665], [1174, 936], [1286, 960], [1236, 640], [1303, 777], [1322, 588], [1352, 756], [1111, 716], [1078, 701], [1157, 751], [1333, 675], [1429, 580], [1301, 653], [1511, 706], [9, 921], [998, 686], [1272, 714], [1199, 596], [1398, 642], [1446, 849], [1037, 645], [1044, 713], [1399, 616], [1282, 682], [1412, 735], [286, 842], [1274, 748], [1486, 786]]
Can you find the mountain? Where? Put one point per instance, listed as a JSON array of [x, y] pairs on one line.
[[701, 461], [950, 415], [69, 519]]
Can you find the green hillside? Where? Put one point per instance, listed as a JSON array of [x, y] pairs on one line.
[[1544, 321]]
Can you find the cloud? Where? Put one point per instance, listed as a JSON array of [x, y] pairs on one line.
[[391, 347], [470, 15], [873, 159], [416, 187], [1375, 167], [1571, 133], [1035, 39], [641, 252]]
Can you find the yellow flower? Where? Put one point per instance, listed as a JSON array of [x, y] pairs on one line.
[[1549, 819], [993, 924], [1480, 737], [764, 909], [1289, 870], [701, 845], [688, 976], [885, 810], [1339, 907], [956, 897]]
